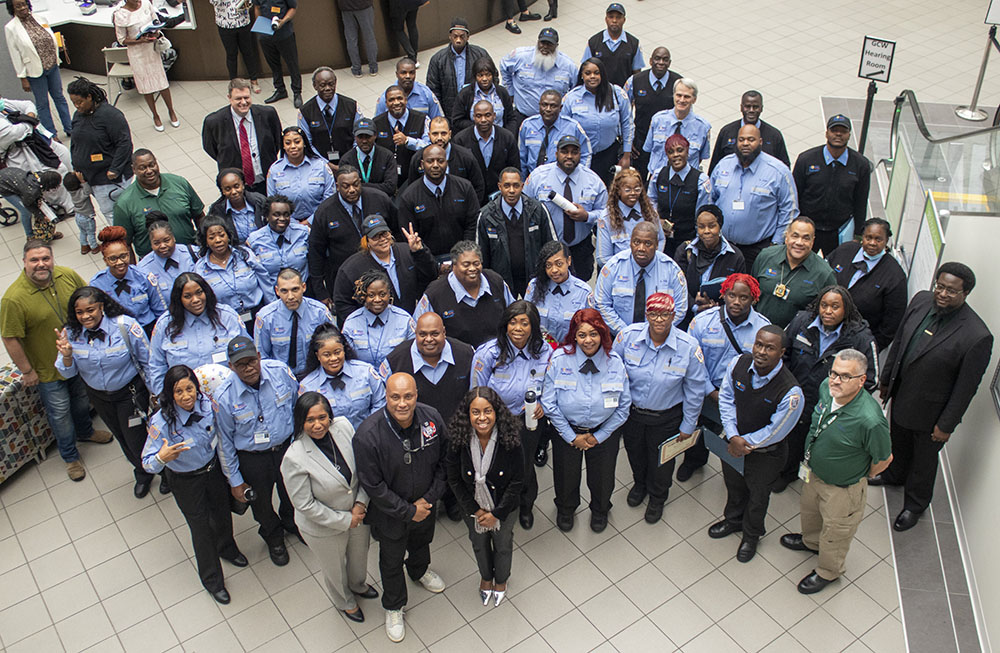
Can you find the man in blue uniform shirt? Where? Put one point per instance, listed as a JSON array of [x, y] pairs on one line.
[[539, 134], [528, 71], [618, 49], [418, 96], [772, 142], [680, 119], [283, 328]]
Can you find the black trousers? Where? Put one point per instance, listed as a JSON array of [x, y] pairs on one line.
[[493, 550], [641, 163], [583, 256], [826, 240], [797, 445], [751, 251], [274, 52], [402, 21], [415, 545], [236, 41], [262, 471], [602, 162], [747, 496], [914, 465], [116, 408], [566, 463], [511, 8], [697, 454], [643, 436], [204, 501], [529, 445]]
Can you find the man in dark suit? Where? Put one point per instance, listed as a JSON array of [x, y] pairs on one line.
[[772, 142], [484, 139], [336, 229], [401, 130], [243, 136], [934, 366], [376, 164], [461, 163]]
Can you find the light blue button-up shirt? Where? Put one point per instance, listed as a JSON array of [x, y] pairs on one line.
[[599, 401], [363, 392], [557, 309], [653, 79], [526, 83], [198, 342], [254, 419], [615, 290], [613, 44], [664, 376], [142, 299], [588, 191], [108, 364], [603, 127], [532, 135], [411, 143], [243, 219], [459, 65], [306, 184], [462, 295], [826, 338], [706, 327], [869, 261], [371, 342], [202, 448], [272, 330], [829, 158], [515, 377], [694, 128], [433, 373], [421, 98], [490, 96], [611, 242], [241, 284], [672, 194], [161, 278], [390, 269], [486, 145], [292, 253], [783, 420], [759, 201]]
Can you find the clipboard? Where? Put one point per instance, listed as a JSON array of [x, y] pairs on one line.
[[262, 26], [717, 445], [672, 447]]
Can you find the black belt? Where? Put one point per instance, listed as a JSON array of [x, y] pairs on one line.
[[767, 449], [198, 472], [263, 451], [645, 412], [115, 395], [580, 429]]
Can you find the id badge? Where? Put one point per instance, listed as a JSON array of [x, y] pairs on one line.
[[245, 317], [134, 421], [262, 436], [737, 205], [804, 472], [399, 170], [333, 156], [219, 357], [781, 291], [611, 402]]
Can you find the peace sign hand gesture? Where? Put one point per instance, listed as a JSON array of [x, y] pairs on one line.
[[62, 343], [413, 239]]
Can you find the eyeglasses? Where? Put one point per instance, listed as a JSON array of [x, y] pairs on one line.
[[836, 376], [945, 290], [660, 317], [408, 450], [116, 259]]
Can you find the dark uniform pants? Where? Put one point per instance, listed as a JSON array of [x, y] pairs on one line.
[[415, 545], [751, 251], [204, 501], [583, 254], [827, 241], [262, 471], [494, 550], [643, 436], [529, 445], [747, 496], [914, 465], [602, 162], [797, 445], [566, 463], [697, 454], [116, 408], [274, 52]]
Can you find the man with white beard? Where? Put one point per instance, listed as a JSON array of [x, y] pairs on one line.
[[529, 71]]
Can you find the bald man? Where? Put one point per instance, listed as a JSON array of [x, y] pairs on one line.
[[400, 461]]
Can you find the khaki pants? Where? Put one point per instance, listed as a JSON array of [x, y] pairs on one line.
[[830, 518]]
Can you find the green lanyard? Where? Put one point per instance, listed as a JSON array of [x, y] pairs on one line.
[[821, 426], [365, 175]]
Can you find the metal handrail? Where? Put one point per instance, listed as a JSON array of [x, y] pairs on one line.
[[908, 95]]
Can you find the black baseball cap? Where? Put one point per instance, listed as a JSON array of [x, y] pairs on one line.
[[839, 119], [568, 139], [549, 35], [239, 348], [373, 225], [616, 6]]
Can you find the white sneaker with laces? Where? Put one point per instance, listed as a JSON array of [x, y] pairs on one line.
[[394, 627], [432, 582]]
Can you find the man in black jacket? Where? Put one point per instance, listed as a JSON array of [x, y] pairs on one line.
[[376, 164], [651, 91], [512, 230], [484, 139], [932, 372], [772, 142], [336, 229], [617, 49], [461, 161], [224, 131], [442, 208], [328, 117], [458, 54], [401, 130]]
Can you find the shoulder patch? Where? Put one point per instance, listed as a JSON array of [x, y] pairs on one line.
[[793, 403], [699, 355]]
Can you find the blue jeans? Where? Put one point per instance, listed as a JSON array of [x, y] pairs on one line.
[[15, 201], [106, 196], [88, 230], [46, 84], [68, 411]]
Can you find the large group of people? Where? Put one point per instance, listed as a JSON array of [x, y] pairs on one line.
[[384, 319]]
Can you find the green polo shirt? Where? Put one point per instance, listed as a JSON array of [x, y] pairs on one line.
[[843, 444], [803, 283], [176, 198], [31, 313]]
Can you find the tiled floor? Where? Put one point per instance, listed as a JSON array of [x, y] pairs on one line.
[[87, 566]]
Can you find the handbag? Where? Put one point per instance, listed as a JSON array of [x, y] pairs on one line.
[[162, 44]]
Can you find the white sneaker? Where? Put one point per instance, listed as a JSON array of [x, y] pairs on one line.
[[432, 582], [394, 627]]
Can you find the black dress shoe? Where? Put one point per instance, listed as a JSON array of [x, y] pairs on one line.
[[565, 521], [278, 553], [370, 593], [794, 542], [635, 495], [877, 480], [654, 510], [684, 473], [552, 14], [527, 519], [297, 102], [723, 528], [541, 457], [277, 95], [598, 521], [454, 511], [906, 520], [527, 15], [514, 28], [294, 530], [747, 550], [357, 616], [239, 561], [141, 489], [812, 583], [164, 485], [221, 596], [781, 485]]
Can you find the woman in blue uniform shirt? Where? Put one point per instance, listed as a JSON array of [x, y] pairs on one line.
[[586, 397], [556, 293], [166, 261], [195, 330], [512, 364], [628, 205], [108, 349], [376, 328], [242, 206], [234, 272], [181, 444], [280, 243], [300, 174], [353, 387], [124, 281]]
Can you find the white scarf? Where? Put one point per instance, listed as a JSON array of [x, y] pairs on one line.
[[481, 463]]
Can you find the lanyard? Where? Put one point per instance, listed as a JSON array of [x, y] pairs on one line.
[[820, 427], [365, 174], [671, 197], [54, 307]]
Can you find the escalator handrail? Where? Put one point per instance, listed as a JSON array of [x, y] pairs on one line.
[[911, 98]]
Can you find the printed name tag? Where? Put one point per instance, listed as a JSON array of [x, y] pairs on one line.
[[737, 205], [219, 357], [611, 401], [94, 158]]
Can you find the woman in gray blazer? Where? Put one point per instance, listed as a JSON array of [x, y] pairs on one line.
[[322, 482]]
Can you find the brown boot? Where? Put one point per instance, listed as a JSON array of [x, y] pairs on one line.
[[99, 437], [75, 471]]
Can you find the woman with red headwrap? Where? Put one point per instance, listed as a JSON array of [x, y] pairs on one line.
[[677, 190]]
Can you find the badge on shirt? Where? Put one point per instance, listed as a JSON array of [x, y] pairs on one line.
[[737, 205], [428, 431], [447, 314], [781, 291], [611, 401], [95, 158], [262, 436], [219, 357]]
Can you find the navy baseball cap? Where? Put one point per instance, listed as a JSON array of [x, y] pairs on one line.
[[549, 35], [839, 119], [364, 126], [239, 348], [616, 6], [568, 139], [373, 225]]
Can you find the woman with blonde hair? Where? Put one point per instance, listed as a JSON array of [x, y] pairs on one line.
[[628, 205]]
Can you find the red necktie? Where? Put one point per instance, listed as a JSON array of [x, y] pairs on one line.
[[248, 172]]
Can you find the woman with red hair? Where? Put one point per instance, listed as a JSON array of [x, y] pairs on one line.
[[124, 282], [677, 190], [586, 398]]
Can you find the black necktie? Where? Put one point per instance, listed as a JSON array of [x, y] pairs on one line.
[[569, 228], [356, 216], [543, 155], [399, 126], [633, 215], [122, 286], [677, 127], [193, 419], [658, 86], [95, 334], [364, 162], [281, 240], [558, 291], [170, 263], [377, 322], [861, 266], [293, 343], [328, 115], [639, 300], [437, 193], [589, 367], [336, 382], [513, 215]]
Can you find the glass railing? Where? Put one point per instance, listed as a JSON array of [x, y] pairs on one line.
[[961, 168]]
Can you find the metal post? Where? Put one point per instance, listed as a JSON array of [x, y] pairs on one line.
[[872, 90], [971, 112]]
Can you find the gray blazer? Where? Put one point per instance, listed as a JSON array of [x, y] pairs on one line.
[[321, 495]]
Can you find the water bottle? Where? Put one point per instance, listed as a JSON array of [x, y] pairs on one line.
[[530, 401], [274, 24], [249, 495]]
